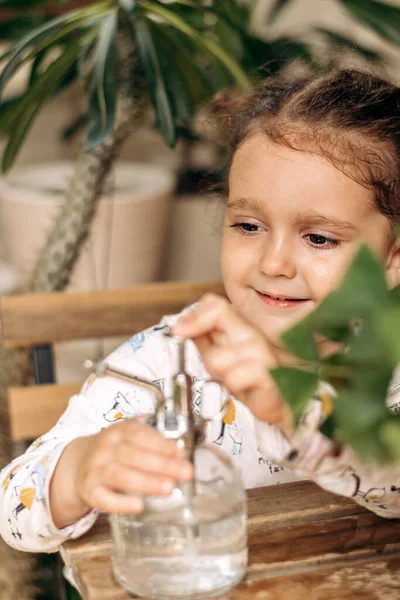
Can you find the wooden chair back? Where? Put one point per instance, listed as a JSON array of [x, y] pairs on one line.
[[38, 320]]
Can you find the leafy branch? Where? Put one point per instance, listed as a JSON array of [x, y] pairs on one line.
[[362, 319]]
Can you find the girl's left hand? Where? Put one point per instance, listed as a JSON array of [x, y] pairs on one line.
[[235, 354]]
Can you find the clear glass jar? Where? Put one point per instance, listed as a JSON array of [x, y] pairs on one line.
[[191, 544]]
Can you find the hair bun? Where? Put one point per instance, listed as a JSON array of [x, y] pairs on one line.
[[227, 103], [222, 111]]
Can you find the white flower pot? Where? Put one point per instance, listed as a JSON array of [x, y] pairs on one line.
[[127, 237], [194, 238]]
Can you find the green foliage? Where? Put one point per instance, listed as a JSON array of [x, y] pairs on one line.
[[160, 91], [103, 88], [363, 318], [297, 387], [186, 59], [22, 114], [21, 4]]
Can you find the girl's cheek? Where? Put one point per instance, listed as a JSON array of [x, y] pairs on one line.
[[327, 275]]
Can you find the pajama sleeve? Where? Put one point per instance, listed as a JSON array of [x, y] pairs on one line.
[[25, 517], [310, 454]]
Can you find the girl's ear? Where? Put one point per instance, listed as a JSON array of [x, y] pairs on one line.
[[393, 265]]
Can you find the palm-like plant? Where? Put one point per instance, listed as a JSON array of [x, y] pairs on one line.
[[123, 51]]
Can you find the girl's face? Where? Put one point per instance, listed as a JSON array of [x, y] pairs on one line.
[[293, 224]]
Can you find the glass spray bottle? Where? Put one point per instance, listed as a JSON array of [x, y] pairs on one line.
[[193, 543]]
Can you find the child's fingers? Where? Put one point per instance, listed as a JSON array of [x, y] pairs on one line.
[[244, 377], [251, 384], [220, 359], [213, 315], [266, 405], [146, 437], [134, 456], [101, 498], [128, 480]]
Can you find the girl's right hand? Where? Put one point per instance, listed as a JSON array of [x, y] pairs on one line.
[[112, 470]]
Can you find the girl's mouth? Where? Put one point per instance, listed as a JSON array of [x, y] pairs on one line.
[[281, 301]]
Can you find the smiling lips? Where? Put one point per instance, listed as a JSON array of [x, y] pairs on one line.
[[281, 301]]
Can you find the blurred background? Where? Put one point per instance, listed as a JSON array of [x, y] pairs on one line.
[[161, 209]]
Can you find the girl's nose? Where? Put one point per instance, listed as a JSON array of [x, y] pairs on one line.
[[278, 260]]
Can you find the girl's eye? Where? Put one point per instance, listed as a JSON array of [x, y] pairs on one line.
[[246, 227], [322, 241]]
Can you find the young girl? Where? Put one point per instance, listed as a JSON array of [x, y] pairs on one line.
[[314, 173]]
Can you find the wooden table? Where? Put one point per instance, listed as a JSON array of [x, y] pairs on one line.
[[304, 544]]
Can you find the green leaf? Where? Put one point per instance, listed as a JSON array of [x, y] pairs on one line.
[[388, 322], [18, 53], [178, 86], [44, 35], [36, 66], [197, 86], [19, 4], [395, 294], [390, 435], [237, 14], [16, 27], [7, 109], [128, 5], [356, 413], [25, 111], [103, 85], [369, 447], [368, 347], [207, 44], [296, 387], [232, 40], [156, 80], [276, 9], [383, 18], [74, 127], [328, 428], [299, 340], [361, 292]]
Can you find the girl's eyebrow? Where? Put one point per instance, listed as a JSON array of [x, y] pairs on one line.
[[311, 217], [246, 204]]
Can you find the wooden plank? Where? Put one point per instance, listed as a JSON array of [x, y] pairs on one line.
[[34, 410], [346, 578], [373, 579], [303, 543], [289, 515], [30, 319]]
